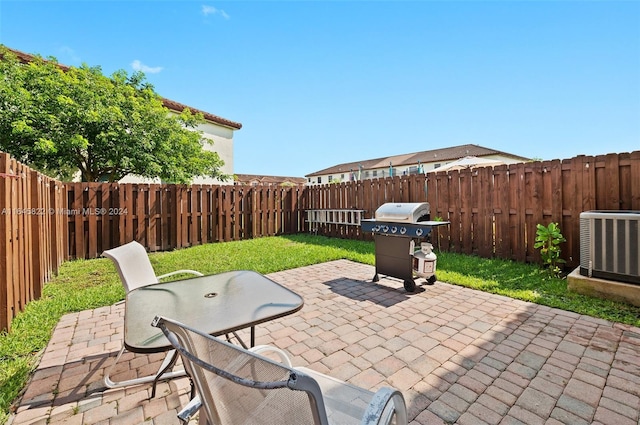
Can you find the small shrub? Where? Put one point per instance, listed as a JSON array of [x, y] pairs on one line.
[[548, 240]]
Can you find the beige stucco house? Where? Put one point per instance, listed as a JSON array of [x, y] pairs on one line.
[[216, 129], [411, 163]]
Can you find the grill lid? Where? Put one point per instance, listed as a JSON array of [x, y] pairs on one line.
[[410, 212]]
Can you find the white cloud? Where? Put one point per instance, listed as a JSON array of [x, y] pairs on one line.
[[210, 10], [139, 66], [68, 52]]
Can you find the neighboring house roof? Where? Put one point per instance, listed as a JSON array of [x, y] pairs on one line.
[[255, 178], [169, 104], [424, 157], [179, 107]]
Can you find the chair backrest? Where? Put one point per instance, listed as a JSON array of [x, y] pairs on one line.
[[239, 386], [133, 265]]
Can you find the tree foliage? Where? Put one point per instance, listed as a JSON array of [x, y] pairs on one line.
[[61, 121]]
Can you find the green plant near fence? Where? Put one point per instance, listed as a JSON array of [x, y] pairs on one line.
[[548, 240]]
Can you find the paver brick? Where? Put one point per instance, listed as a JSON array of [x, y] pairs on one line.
[[508, 386], [444, 411], [622, 396], [484, 414], [566, 417], [576, 407], [100, 413], [583, 391], [403, 379], [341, 357], [526, 416], [468, 381], [605, 415], [619, 408], [494, 404], [521, 370], [463, 392], [537, 402]]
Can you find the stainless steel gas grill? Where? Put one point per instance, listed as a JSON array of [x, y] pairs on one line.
[[394, 229]]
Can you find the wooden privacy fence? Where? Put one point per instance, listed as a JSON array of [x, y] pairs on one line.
[[493, 213], [164, 217], [45, 222], [32, 232]]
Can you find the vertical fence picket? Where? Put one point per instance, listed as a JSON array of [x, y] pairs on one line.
[[451, 183], [206, 214], [38, 226], [612, 182], [517, 211], [106, 222], [153, 217], [484, 189], [500, 204], [536, 216], [91, 214], [634, 178], [167, 232], [16, 231], [574, 200]]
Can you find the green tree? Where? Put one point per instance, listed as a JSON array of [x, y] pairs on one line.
[[63, 120]]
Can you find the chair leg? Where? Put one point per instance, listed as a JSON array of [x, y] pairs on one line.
[[161, 374], [240, 341], [167, 364]]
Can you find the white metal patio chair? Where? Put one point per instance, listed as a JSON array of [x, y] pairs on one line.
[[135, 270], [239, 386]]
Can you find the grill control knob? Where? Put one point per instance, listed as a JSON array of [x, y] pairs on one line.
[[385, 229], [394, 229], [419, 232], [376, 228], [403, 230]]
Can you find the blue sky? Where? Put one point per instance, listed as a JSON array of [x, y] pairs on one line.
[[317, 83]]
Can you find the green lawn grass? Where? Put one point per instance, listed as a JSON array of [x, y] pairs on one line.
[[87, 284]]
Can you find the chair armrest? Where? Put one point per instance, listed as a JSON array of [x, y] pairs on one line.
[[380, 411], [284, 358], [180, 272]]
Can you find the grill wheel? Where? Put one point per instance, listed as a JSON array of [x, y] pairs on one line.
[[410, 285]]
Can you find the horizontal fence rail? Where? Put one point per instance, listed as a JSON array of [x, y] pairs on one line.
[[493, 212]]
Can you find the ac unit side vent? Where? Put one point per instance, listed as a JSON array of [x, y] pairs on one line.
[[610, 245]]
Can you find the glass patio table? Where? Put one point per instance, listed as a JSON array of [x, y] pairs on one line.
[[218, 304]]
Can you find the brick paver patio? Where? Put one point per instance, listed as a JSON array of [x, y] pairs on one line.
[[458, 355]]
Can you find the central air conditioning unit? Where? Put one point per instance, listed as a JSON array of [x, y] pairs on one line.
[[610, 245]]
